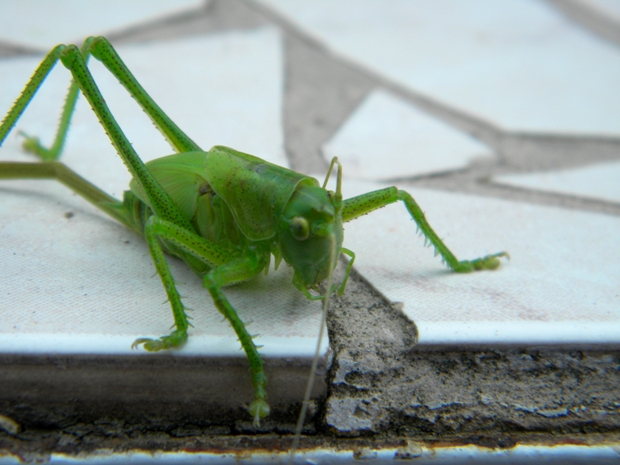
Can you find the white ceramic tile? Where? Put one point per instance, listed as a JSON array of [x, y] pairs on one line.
[[41, 24], [516, 63], [89, 277], [561, 285], [388, 138], [87, 285], [600, 181]]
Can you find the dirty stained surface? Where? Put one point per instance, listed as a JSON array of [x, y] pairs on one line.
[[382, 388]]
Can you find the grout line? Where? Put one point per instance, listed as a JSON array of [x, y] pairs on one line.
[[590, 18], [546, 151]]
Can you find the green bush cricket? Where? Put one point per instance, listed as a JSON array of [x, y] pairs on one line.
[[223, 212]]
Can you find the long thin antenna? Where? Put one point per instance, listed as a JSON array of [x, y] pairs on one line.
[[315, 361], [337, 202]]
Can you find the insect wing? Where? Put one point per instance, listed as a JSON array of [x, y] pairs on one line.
[[256, 191], [182, 175]]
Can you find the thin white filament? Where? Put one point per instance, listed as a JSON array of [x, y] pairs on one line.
[[315, 360]]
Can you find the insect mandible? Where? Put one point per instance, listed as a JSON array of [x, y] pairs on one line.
[[223, 212]]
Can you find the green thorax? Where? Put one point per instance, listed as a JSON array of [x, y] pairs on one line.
[[256, 191], [230, 197]]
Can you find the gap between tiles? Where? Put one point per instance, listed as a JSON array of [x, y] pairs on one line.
[[521, 65], [407, 142], [599, 181]]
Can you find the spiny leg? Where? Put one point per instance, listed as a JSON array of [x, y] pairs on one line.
[[241, 269], [225, 270], [179, 336], [101, 49], [33, 145], [366, 203], [183, 242], [159, 200], [29, 91], [79, 185]]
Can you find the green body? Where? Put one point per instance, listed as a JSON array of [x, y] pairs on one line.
[[240, 203], [223, 212]]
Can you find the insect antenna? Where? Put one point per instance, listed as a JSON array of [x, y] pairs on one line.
[[337, 202], [315, 360]]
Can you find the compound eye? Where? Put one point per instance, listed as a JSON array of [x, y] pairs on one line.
[[299, 228]]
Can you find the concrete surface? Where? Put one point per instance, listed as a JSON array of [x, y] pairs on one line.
[[495, 391]]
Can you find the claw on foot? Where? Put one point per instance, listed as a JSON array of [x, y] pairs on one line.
[[33, 145], [258, 409], [151, 345], [175, 339], [488, 262]]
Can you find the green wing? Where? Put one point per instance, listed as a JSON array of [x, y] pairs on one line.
[[182, 175], [256, 191]]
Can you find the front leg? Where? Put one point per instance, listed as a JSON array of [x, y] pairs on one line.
[[191, 244], [225, 269], [366, 203], [241, 269]]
